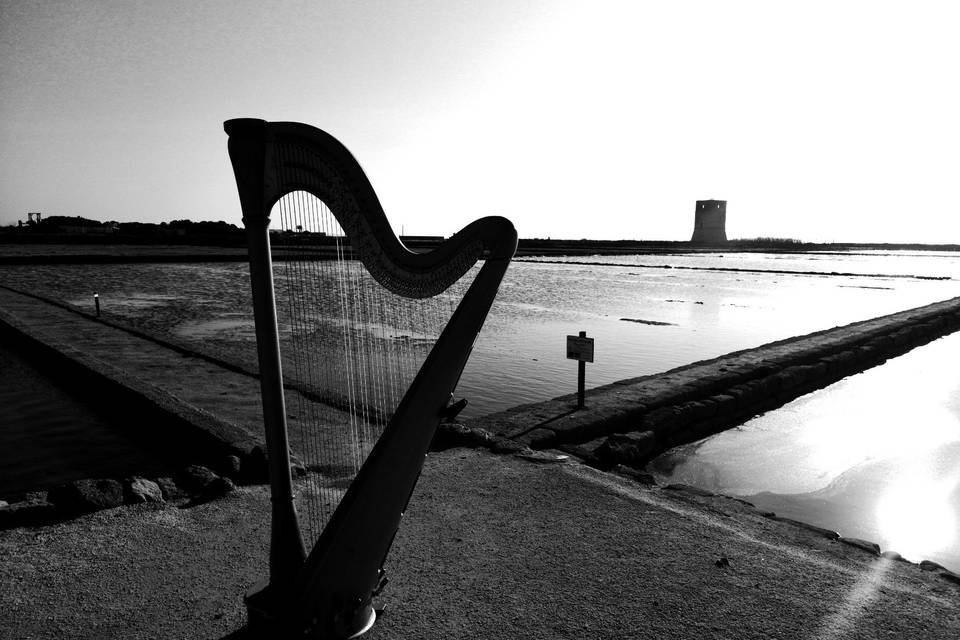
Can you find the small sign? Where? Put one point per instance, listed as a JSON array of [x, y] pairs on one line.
[[580, 348]]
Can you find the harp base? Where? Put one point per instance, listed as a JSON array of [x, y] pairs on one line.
[[267, 617]]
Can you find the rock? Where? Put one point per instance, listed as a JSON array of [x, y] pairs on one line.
[[137, 490], [586, 451], [543, 457], [870, 547], [449, 435], [4, 504], [726, 403], [892, 555], [951, 576], [230, 466], [86, 496], [254, 468], [685, 488], [454, 434], [194, 478], [929, 565], [170, 491], [632, 449], [297, 468], [826, 533], [505, 445], [540, 438], [217, 488], [634, 474], [28, 514], [34, 496], [662, 419]]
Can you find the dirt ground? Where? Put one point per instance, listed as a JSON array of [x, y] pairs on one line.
[[492, 547]]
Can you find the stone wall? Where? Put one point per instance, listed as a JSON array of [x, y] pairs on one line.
[[632, 421]]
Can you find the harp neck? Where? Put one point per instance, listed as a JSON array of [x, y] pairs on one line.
[[272, 159]]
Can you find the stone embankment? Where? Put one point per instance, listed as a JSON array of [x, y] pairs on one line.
[[213, 453], [632, 421]]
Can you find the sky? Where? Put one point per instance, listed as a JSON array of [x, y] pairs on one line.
[[821, 121]]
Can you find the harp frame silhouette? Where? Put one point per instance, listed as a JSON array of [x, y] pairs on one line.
[[328, 591]]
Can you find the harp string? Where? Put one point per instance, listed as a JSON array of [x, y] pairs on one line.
[[350, 349]]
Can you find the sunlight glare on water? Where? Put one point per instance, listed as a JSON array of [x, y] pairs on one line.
[[874, 456], [916, 515]]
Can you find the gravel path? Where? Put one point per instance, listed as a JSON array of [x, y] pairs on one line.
[[492, 547]]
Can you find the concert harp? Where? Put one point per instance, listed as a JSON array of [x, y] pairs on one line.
[[348, 294]]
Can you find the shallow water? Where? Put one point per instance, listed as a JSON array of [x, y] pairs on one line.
[[874, 456], [644, 319], [521, 356], [49, 436]]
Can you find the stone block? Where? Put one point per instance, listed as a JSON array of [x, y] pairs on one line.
[[698, 410], [833, 362], [726, 403], [660, 420], [631, 449], [586, 451]]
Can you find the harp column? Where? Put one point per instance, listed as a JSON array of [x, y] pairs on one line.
[[287, 552]]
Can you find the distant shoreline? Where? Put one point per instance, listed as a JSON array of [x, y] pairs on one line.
[[65, 249]]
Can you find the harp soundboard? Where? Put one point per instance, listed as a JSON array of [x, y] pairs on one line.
[[370, 366]]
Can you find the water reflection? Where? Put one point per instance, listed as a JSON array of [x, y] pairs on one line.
[[916, 515], [874, 456], [520, 355]]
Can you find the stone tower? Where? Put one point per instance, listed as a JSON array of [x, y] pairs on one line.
[[710, 222]]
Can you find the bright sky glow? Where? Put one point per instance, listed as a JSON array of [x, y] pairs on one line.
[[824, 121]]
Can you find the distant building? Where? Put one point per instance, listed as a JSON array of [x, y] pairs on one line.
[[710, 222]]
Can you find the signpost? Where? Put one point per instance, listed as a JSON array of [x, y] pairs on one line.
[[580, 348]]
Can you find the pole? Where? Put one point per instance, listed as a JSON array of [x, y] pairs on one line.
[[96, 302], [581, 374]]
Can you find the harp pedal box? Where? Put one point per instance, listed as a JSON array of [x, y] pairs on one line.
[[381, 584]]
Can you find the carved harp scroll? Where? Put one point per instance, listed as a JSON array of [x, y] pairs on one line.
[[326, 591]]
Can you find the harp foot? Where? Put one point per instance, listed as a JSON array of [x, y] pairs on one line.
[[263, 610], [363, 620], [269, 616]]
